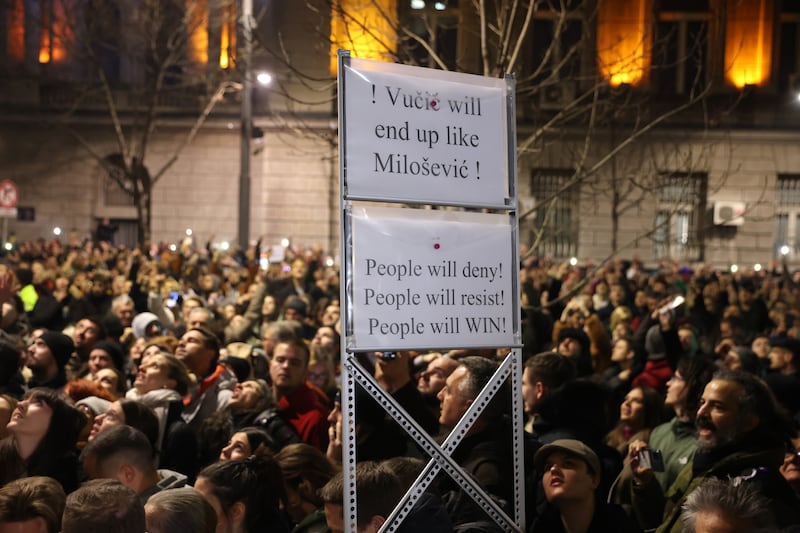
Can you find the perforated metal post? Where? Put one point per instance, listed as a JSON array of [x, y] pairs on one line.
[[353, 374]]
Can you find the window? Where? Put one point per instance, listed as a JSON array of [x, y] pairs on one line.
[[680, 211], [558, 31], [114, 196], [787, 215], [12, 17], [788, 42], [556, 223], [434, 23], [680, 49]]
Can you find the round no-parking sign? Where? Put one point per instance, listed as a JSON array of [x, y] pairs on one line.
[[8, 193]]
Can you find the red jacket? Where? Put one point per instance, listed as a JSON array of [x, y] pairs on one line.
[[655, 375], [305, 409]]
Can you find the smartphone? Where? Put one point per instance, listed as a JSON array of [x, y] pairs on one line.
[[172, 301], [651, 459], [674, 304]]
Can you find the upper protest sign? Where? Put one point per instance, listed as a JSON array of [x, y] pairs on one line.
[[414, 134]]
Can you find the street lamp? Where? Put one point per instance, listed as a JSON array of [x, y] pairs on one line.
[[263, 79]]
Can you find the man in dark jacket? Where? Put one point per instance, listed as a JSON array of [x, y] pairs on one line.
[[485, 450], [741, 435]]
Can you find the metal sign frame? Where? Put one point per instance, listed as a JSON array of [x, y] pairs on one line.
[[353, 374]]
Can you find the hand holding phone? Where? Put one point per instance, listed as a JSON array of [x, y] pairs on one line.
[[652, 459]]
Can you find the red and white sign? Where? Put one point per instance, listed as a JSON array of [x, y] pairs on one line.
[[8, 194]]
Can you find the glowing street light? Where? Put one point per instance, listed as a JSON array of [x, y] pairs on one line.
[[784, 250], [264, 78], [573, 261], [734, 269], [188, 232], [56, 231], [757, 267], [285, 242]]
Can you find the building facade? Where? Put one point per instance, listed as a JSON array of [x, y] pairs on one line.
[[664, 129]]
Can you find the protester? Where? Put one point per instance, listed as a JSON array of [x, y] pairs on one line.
[[43, 434], [32, 504], [246, 494], [305, 471], [103, 506], [182, 509]]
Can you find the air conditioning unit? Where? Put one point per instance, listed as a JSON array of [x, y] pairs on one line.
[[556, 95], [729, 213]]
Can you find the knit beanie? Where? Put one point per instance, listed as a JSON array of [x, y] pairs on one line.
[[97, 405], [654, 344], [61, 346], [114, 351]]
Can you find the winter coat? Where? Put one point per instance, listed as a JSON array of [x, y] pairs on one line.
[[677, 441], [749, 461]]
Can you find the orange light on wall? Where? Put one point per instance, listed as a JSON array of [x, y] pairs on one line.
[[365, 27], [623, 41], [61, 32], [227, 45], [53, 33], [748, 42], [45, 35], [15, 40], [198, 32]]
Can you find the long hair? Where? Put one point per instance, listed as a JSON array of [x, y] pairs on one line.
[[300, 462], [653, 407], [60, 438], [257, 482]]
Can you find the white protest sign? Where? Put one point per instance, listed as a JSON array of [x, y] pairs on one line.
[[431, 279], [416, 134]]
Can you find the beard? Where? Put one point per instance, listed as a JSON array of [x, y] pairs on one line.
[[718, 437]]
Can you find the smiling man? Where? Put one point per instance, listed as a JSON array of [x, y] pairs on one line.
[[741, 435]]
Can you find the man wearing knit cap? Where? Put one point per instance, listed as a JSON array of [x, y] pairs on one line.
[[106, 354], [657, 370], [47, 358]]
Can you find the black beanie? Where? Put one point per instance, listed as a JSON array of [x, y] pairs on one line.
[[114, 351], [60, 345], [25, 276]]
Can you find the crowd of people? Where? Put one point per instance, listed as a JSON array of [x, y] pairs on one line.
[[191, 389]]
